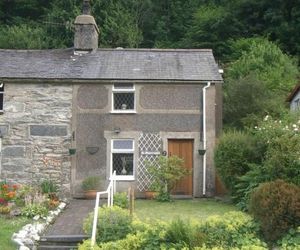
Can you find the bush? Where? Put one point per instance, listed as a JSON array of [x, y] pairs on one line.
[[150, 237], [34, 210], [234, 229], [179, 234], [121, 200], [166, 172], [114, 223], [291, 240], [233, 154], [276, 205]]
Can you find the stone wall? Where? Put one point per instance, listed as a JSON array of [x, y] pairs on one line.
[[36, 129]]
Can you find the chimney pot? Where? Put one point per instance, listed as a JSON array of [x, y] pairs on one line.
[[86, 30]]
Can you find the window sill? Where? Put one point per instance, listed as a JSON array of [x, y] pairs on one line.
[[123, 112], [124, 178]]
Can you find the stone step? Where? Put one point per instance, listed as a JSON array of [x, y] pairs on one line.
[[60, 241]]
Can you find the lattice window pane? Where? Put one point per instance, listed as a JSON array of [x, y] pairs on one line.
[[123, 101], [123, 163], [123, 144]]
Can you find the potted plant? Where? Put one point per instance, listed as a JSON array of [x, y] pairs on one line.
[[152, 191], [166, 172], [90, 185]]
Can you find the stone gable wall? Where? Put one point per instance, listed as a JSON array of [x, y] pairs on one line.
[[36, 129]]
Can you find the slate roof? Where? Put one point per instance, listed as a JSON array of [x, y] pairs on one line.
[[110, 64]]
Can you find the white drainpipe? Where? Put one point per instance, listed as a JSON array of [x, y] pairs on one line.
[[204, 137]]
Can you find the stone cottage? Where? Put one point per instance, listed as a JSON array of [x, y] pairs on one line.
[[71, 113]]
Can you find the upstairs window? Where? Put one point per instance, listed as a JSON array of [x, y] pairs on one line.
[[122, 158], [1, 97], [123, 98]]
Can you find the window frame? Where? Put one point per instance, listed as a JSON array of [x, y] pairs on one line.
[[123, 151], [123, 90]]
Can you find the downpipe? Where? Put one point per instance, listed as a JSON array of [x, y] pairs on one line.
[[204, 137]]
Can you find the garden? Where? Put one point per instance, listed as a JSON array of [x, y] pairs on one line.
[[267, 190], [21, 204]]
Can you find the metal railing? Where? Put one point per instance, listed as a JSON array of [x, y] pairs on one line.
[[110, 191]]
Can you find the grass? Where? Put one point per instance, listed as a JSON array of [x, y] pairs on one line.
[[198, 209], [8, 226]]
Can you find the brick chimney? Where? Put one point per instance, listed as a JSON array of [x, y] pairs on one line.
[[86, 30]]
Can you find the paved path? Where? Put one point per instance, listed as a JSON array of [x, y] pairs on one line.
[[70, 221]]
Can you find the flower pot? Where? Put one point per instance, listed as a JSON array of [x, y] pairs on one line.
[[90, 194], [150, 195]]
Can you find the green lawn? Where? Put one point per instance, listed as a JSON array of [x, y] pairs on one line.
[[7, 228], [198, 209]]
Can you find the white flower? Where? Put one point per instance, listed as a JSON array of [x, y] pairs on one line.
[[295, 129], [294, 126], [266, 118]]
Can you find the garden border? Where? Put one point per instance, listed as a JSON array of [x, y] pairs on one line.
[[27, 237]]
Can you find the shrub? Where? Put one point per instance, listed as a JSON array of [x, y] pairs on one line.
[[291, 240], [276, 205], [121, 200], [32, 210], [48, 186], [166, 172], [234, 229], [151, 237], [114, 223], [91, 183], [235, 151], [179, 234]]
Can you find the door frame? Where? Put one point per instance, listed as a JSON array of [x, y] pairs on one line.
[[197, 160]]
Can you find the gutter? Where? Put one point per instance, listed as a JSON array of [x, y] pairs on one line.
[[204, 137]]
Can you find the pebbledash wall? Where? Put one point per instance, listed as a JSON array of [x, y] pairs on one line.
[[41, 121], [173, 111], [36, 131]]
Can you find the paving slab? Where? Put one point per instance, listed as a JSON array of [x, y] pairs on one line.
[[70, 221]]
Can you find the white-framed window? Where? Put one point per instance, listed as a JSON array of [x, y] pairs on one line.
[[122, 158], [123, 98], [1, 96]]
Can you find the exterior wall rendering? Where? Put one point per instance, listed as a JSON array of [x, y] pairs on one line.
[[169, 110]]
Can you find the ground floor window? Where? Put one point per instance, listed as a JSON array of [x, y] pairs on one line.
[[122, 158]]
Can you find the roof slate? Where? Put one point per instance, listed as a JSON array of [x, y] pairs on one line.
[[112, 64]]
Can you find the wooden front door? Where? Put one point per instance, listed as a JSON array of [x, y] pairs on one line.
[[183, 149]]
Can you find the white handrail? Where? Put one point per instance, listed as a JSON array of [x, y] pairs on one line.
[[110, 191]]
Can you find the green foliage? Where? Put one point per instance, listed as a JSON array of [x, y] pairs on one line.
[[282, 143], [265, 59], [231, 231], [269, 151], [34, 209], [233, 154], [179, 234], [234, 229], [166, 171], [276, 205], [91, 183], [291, 240], [114, 223], [48, 186], [23, 36], [121, 200], [246, 99], [256, 82]]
